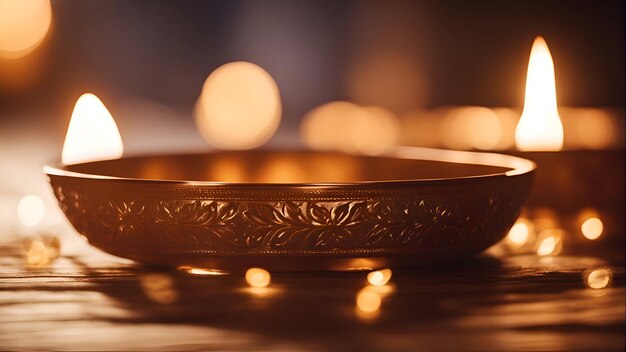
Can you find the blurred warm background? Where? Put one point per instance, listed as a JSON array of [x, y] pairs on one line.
[[351, 75]]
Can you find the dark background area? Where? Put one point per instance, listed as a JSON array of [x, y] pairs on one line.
[[456, 52]]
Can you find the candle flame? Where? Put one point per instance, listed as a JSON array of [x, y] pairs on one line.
[[540, 126], [92, 134]]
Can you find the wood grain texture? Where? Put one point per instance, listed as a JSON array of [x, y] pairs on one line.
[[95, 302]]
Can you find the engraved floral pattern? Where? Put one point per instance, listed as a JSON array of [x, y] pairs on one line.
[[122, 218], [345, 223], [303, 224], [195, 222]]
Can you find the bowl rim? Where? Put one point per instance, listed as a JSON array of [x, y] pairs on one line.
[[518, 166]]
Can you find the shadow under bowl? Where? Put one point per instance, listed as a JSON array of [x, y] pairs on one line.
[[295, 210]]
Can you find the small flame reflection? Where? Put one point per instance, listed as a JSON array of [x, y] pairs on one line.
[[201, 271], [379, 277], [257, 277], [598, 278]]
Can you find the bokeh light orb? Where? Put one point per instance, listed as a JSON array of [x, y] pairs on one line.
[[471, 127], [257, 277], [592, 228], [239, 107], [598, 278], [31, 210], [24, 24], [520, 233], [368, 300], [350, 128], [379, 277]]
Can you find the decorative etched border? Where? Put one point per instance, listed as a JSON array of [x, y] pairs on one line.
[[298, 221]]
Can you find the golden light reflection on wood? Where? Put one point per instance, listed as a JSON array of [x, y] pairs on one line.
[[92, 133], [540, 127], [31, 210], [368, 301], [24, 24], [379, 277], [159, 288], [257, 277], [239, 106], [93, 302], [201, 271], [598, 278], [41, 251]]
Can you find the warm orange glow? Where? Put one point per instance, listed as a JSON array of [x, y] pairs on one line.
[[389, 78], [201, 271], [481, 127], [36, 254], [550, 243], [23, 26], [31, 210], [594, 128], [545, 219], [420, 128], [471, 127], [281, 170], [257, 277], [379, 277], [41, 250], [92, 134], [368, 300], [159, 288], [380, 126], [520, 233], [239, 107], [323, 128], [350, 128], [540, 126], [508, 121], [592, 228], [598, 278]]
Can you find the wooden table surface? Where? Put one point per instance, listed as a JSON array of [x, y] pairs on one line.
[[91, 301]]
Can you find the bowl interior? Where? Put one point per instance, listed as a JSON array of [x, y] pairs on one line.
[[281, 167]]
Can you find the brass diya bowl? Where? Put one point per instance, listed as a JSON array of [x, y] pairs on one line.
[[295, 210]]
